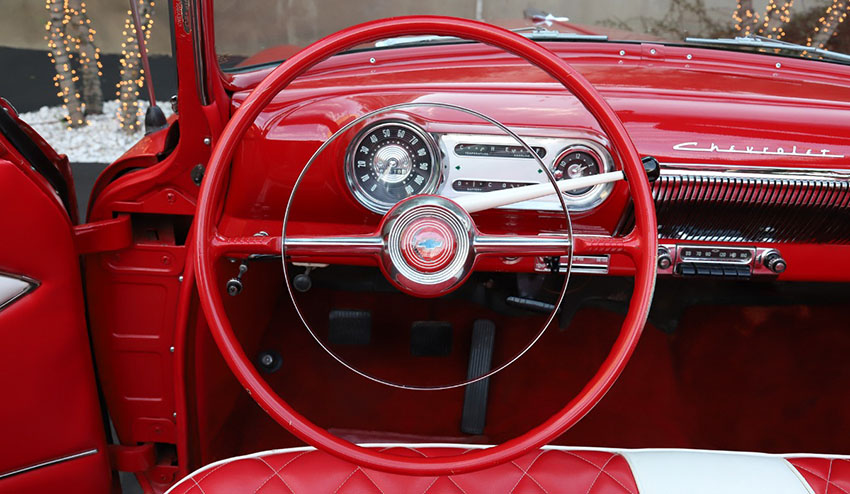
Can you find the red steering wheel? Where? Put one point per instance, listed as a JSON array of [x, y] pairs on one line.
[[209, 245]]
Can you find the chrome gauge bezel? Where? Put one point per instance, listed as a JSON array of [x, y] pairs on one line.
[[593, 196], [361, 194]]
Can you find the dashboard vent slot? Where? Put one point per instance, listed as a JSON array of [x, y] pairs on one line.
[[750, 209]]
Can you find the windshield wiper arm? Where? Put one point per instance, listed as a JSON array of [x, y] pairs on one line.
[[753, 41], [546, 35], [536, 34]]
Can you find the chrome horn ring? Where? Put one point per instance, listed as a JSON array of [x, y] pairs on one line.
[[478, 245], [417, 267]]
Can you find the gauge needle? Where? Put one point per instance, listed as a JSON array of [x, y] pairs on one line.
[[486, 200]]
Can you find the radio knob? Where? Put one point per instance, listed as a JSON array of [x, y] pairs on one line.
[[664, 259], [774, 262]]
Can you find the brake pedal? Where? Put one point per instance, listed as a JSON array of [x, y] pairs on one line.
[[474, 416], [431, 339], [350, 327]]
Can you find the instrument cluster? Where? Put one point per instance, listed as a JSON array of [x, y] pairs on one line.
[[391, 160]]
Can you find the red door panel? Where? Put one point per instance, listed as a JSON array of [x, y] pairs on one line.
[[51, 432]]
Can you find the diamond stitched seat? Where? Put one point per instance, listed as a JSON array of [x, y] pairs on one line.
[[299, 471], [551, 470]]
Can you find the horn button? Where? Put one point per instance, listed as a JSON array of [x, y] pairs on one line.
[[428, 245]]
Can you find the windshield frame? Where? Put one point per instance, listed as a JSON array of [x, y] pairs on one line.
[[233, 71], [531, 25]]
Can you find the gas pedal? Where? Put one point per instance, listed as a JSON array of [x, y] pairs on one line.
[[474, 416]]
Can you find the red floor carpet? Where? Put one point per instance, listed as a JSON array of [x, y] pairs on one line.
[[760, 379]]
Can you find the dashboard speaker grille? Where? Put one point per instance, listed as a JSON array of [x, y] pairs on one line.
[[750, 209]]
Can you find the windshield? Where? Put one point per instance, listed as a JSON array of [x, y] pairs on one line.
[[256, 32]]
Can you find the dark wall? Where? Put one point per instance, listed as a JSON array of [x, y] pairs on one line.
[[26, 78]]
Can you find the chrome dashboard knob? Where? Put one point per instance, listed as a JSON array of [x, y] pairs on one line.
[[664, 259], [774, 262]]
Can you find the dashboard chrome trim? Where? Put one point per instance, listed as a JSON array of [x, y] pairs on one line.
[[763, 151], [593, 264], [751, 204], [520, 169], [754, 172]]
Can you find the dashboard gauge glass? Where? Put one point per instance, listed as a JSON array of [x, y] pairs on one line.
[[577, 161], [497, 151], [390, 161]]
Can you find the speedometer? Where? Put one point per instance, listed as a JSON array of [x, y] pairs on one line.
[[390, 161]]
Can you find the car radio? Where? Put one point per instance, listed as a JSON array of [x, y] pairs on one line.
[[719, 261]]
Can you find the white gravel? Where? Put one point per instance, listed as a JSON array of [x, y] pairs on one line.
[[101, 141]]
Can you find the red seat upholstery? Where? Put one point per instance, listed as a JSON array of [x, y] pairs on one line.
[[550, 470], [825, 475], [314, 472]]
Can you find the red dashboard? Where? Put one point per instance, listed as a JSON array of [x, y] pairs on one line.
[[752, 148]]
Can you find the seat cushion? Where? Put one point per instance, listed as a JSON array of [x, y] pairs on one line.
[[825, 475], [549, 470]]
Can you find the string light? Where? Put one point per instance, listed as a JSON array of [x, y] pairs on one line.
[[89, 59], [132, 75], [72, 49], [775, 18], [828, 24], [746, 19]]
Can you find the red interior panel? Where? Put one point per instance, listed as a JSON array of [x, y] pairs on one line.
[[51, 407]]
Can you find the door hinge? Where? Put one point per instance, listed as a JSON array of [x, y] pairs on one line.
[[103, 236], [132, 458]]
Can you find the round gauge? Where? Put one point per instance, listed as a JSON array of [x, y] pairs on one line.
[[577, 161], [391, 161]]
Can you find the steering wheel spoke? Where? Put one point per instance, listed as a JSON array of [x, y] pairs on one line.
[[350, 246], [222, 245], [521, 245], [506, 197], [334, 246], [592, 244]]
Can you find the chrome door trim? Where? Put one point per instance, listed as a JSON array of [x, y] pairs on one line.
[[48, 463], [21, 285]]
